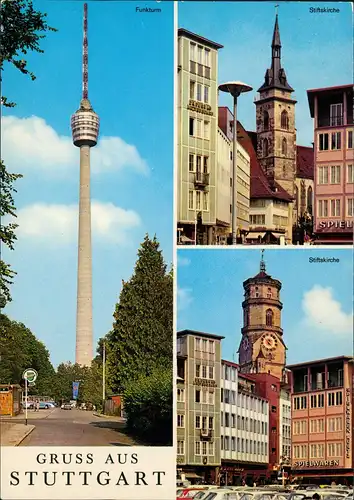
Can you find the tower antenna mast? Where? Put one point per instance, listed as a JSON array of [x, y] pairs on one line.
[[85, 57]]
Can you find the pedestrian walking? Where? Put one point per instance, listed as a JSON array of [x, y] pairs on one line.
[[37, 405]]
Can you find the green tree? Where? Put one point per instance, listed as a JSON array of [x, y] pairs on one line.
[[142, 334], [22, 29], [92, 389], [148, 403], [66, 374], [20, 349]]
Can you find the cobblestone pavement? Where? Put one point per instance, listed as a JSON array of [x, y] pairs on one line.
[[78, 428]]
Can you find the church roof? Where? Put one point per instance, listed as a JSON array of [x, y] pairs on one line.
[[304, 162], [261, 186], [275, 77]]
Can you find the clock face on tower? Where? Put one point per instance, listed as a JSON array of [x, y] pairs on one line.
[[269, 342]]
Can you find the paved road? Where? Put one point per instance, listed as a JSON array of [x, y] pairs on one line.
[[77, 428]]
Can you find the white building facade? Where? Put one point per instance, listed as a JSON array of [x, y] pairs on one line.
[[285, 427], [244, 424]]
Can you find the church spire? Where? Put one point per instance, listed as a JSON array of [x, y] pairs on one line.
[[275, 76], [262, 266], [276, 35]]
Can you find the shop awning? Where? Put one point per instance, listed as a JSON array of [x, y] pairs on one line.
[[254, 236], [192, 475], [185, 239]]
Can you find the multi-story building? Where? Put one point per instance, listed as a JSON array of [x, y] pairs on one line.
[[322, 420], [332, 110], [197, 137], [198, 405], [225, 179], [244, 429], [285, 428]]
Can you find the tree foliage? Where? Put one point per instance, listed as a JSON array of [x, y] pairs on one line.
[[148, 403], [21, 30], [142, 334], [20, 349]]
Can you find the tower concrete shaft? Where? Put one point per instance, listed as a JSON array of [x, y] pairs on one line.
[[84, 330], [85, 130]]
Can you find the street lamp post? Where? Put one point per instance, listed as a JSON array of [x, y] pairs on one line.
[[235, 89]]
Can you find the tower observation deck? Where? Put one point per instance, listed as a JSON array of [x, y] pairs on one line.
[[85, 128]]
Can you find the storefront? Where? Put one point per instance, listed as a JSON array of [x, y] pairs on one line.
[[321, 472], [238, 474], [334, 232]]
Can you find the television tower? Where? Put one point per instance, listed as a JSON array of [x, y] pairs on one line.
[[85, 127]]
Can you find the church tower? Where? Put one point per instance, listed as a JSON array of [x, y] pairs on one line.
[[262, 349], [275, 119]]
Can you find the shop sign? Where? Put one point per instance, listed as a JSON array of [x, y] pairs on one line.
[[317, 463], [336, 224], [204, 382], [231, 469], [347, 422], [200, 107]]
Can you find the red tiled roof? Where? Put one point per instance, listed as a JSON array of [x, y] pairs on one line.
[[304, 162], [260, 184]]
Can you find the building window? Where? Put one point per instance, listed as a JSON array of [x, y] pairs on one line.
[[320, 401], [323, 142], [350, 139], [336, 115], [211, 448], [197, 447], [269, 317], [334, 450], [204, 371], [205, 164], [335, 174], [180, 447], [207, 57], [350, 174], [257, 220], [339, 398], [180, 395], [191, 200], [192, 48], [206, 94], [191, 126], [197, 395], [192, 90], [211, 422], [323, 175], [284, 148], [191, 163], [335, 208], [198, 344], [284, 120], [300, 403], [336, 140], [199, 91], [323, 208], [180, 420], [198, 193], [350, 207], [197, 421], [211, 372]]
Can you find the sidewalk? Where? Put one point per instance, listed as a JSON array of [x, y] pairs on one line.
[[31, 415], [113, 418], [14, 434]]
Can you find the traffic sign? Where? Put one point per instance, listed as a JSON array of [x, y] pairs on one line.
[[30, 375]]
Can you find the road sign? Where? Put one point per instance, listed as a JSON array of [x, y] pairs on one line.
[[30, 375]]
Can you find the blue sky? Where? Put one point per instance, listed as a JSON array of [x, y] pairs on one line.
[[317, 297], [316, 48], [131, 88]]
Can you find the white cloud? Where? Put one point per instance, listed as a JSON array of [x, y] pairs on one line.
[[184, 298], [324, 312], [183, 261], [58, 224], [31, 144]]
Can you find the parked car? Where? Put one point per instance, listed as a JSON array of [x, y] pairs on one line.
[[66, 406], [29, 405]]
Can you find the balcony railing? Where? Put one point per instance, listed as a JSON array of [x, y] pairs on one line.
[[201, 179], [330, 121], [206, 433]]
